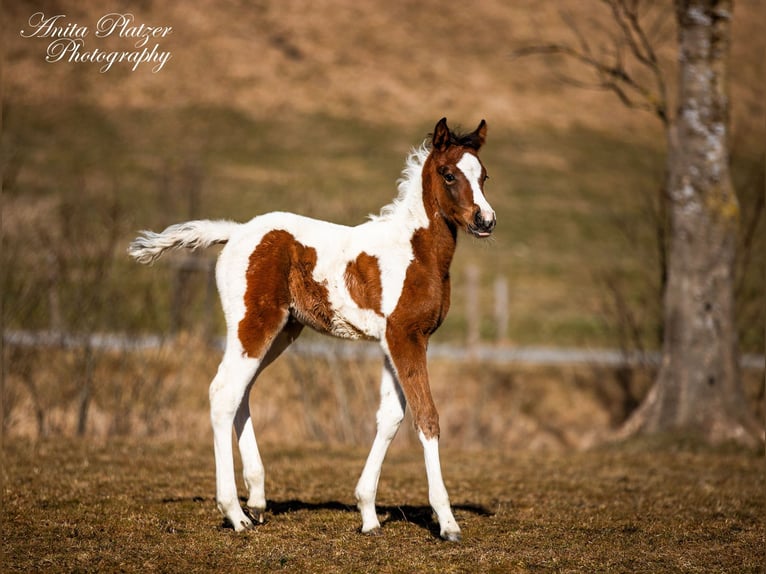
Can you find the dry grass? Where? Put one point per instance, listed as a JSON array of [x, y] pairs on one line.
[[331, 399], [393, 62], [148, 506]]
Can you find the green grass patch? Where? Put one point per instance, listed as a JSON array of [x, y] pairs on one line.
[[571, 207]]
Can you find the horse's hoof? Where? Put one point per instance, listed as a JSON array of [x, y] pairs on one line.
[[240, 526], [244, 524], [257, 515], [373, 532], [452, 536]]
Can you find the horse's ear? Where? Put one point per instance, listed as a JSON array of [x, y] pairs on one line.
[[479, 136], [441, 137]]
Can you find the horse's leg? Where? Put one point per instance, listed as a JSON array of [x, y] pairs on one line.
[[227, 392], [252, 465], [390, 415], [437, 492], [408, 355]]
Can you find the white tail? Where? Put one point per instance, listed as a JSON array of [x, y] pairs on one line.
[[149, 246]]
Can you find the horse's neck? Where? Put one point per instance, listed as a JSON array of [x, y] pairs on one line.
[[436, 244], [445, 245]]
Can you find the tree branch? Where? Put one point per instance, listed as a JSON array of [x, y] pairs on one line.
[[612, 70], [625, 13]]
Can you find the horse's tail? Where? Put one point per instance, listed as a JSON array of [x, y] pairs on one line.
[[149, 246]]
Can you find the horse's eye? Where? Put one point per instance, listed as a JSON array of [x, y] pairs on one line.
[[486, 177], [449, 178]]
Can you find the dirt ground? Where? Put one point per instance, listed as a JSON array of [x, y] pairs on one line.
[[137, 505]]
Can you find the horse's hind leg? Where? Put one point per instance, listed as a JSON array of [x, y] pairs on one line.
[[252, 465], [227, 392], [390, 415]]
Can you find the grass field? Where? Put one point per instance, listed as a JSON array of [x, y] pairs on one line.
[[572, 211], [143, 506], [263, 109]]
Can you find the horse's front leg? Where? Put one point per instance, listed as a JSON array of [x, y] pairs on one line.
[[437, 492], [408, 355], [389, 417]]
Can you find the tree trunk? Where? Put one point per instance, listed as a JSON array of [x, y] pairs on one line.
[[698, 390]]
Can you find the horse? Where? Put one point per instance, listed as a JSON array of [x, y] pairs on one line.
[[386, 280]]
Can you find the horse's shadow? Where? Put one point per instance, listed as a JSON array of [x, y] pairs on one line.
[[419, 515]]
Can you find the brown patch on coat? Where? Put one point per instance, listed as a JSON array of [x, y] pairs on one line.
[[280, 283], [421, 309], [363, 282], [425, 297], [408, 355]]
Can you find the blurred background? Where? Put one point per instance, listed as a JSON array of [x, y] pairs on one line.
[[312, 107]]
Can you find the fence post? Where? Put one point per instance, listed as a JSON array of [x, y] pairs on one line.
[[55, 322], [188, 271], [472, 307], [502, 314], [180, 280]]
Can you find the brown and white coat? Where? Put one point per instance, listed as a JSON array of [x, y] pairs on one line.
[[385, 280]]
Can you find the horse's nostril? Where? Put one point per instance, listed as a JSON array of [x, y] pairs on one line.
[[480, 221], [484, 224]]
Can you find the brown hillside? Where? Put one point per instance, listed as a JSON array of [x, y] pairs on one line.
[[398, 61]]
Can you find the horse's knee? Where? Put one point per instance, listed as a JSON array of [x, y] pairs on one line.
[[388, 420], [218, 408], [229, 387], [217, 388], [427, 423], [218, 395]]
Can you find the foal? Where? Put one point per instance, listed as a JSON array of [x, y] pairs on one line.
[[386, 280]]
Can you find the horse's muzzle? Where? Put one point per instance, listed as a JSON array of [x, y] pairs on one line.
[[482, 226]]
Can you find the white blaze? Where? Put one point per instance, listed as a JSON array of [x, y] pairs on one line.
[[471, 168]]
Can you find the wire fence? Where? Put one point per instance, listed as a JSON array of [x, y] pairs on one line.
[[497, 354]]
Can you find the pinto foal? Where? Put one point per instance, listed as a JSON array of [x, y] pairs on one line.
[[386, 280]]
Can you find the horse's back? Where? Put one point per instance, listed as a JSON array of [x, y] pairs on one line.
[[322, 271], [249, 235]]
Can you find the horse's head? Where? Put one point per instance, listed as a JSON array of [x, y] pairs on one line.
[[456, 178]]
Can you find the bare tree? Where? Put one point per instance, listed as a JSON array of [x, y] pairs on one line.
[[698, 389]]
